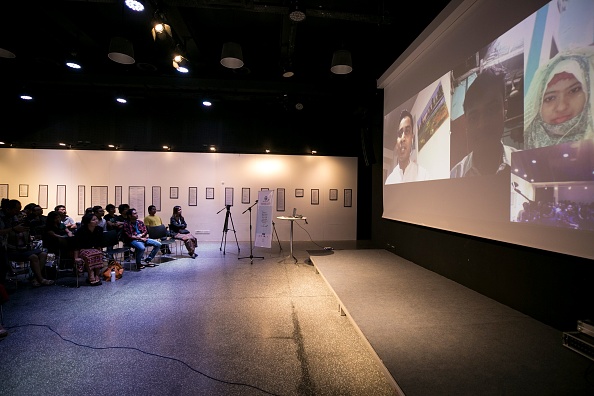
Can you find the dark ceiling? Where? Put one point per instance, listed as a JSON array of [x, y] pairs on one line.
[[43, 35]]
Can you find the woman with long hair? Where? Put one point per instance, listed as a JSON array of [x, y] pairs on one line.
[[88, 243], [178, 228]]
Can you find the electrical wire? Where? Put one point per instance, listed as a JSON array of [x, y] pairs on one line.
[[150, 354], [303, 228]]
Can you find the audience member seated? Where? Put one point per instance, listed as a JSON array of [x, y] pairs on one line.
[[57, 238], [136, 235], [18, 243], [152, 220], [36, 221], [67, 220], [88, 242], [178, 228]]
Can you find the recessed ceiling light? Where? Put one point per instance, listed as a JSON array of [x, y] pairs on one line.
[[135, 5], [207, 103]]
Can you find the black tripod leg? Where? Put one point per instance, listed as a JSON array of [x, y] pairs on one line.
[[277, 238], [234, 232]]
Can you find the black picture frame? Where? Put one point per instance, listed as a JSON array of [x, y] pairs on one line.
[[333, 196], [209, 192], [348, 197], [193, 196], [23, 190], [299, 192], [315, 196], [173, 192], [280, 199]]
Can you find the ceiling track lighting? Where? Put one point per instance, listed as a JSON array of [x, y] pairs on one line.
[[161, 29], [181, 64]]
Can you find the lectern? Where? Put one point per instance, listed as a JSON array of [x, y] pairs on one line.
[[292, 219]]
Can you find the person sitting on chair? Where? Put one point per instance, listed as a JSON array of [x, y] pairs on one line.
[[178, 225], [88, 242], [152, 220], [18, 243], [136, 235]]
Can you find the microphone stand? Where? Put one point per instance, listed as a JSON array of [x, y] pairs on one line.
[[251, 257]]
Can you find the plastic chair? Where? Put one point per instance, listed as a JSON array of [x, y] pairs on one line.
[[159, 233]]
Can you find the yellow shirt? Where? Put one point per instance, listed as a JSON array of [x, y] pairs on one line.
[[151, 221]]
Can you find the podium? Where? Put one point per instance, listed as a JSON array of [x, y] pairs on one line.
[[292, 220]]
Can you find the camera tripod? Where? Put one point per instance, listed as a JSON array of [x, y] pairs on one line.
[[251, 257], [226, 228]]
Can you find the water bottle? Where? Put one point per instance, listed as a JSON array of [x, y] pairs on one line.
[[113, 275]]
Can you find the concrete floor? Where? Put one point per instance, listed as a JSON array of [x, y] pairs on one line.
[[215, 325]]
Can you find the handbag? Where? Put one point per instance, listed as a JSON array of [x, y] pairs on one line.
[[117, 267]]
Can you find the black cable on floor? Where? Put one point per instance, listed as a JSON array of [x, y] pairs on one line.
[[150, 354], [310, 238]]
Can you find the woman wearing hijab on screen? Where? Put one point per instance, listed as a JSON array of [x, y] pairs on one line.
[[558, 107]]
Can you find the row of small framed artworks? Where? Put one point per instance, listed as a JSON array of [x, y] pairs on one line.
[[136, 194]]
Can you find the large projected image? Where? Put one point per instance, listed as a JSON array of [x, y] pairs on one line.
[[416, 137], [553, 178], [506, 137]]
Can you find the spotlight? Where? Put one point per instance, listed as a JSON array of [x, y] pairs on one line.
[[160, 28], [181, 64], [135, 5]]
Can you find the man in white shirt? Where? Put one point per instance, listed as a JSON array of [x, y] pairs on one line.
[[405, 170]]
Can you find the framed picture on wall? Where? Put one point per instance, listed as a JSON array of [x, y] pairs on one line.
[[118, 196], [61, 195], [81, 199], [264, 189], [99, 195], [157, 197], [333, 194], [173, 192], [315, 196], [43, 196], [228, 196], [348, 197], [245, 195], [209, 192], [23, 190], [299, 192], [193, 196], [4, 191], [280, 199]]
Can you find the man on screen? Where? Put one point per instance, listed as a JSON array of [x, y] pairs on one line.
[[484, 108], [406, 169]]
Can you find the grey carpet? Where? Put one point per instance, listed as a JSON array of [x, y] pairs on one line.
[[436, 337]]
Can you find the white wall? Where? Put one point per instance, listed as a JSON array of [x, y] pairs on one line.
[[329, 220]]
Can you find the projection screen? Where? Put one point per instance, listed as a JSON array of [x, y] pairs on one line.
[[489, 125]]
